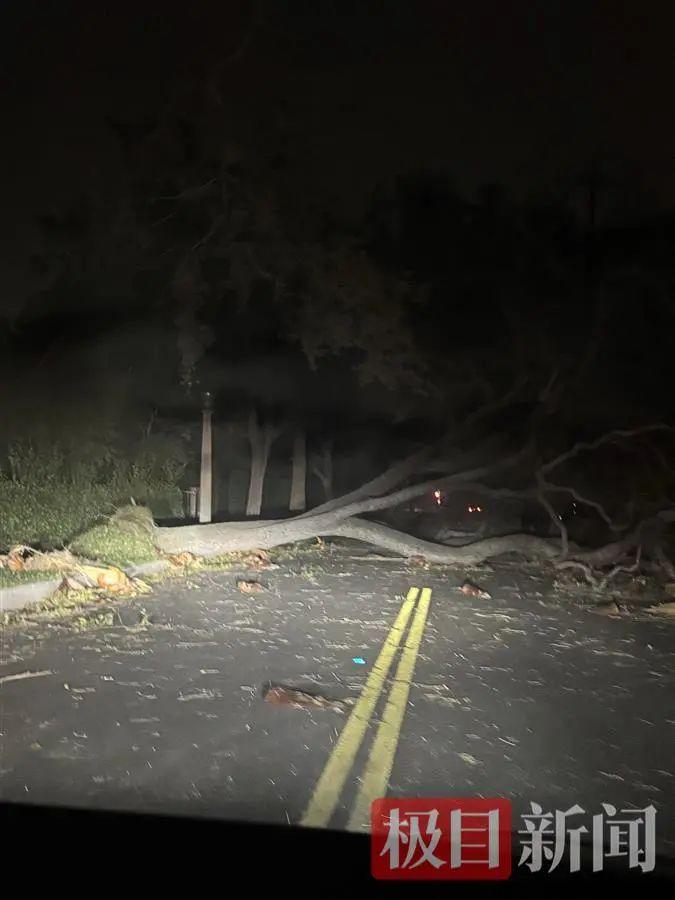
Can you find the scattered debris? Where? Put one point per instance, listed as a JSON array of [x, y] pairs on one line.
[[359, 660], [608, 609], [417, 560], [26, 559], [670, 588], [375, 557], [92, 620], [663, 609], [281, 695], [472, 590], [184, 559], [69, 583], [15, 560], [258, 559], [115, 580], [242, 559], [20, 676], [109, 577], [249, 587], [571, 564], [203, 694], [469, 759]]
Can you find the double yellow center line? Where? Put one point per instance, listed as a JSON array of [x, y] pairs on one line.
[[375, 778]]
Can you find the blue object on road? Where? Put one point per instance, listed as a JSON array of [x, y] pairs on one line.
[[359, 660]]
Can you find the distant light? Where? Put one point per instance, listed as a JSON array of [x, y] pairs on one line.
[[438, 496]]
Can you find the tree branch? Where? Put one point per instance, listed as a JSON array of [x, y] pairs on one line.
[[585, 569], [401, 496], [193, 191], [665, 563], [594, 504], [542, 486], [606, 438], [492, 406], [393, 476], [217, 222], [619, 568]]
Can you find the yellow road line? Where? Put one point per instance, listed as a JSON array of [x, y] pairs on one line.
[[329, 786], [381, 756]]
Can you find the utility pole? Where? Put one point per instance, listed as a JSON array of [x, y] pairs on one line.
[[206, 472]]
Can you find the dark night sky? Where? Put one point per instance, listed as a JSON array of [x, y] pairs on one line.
[[518, 92], [527, 94]]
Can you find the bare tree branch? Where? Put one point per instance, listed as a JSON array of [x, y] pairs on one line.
[[508, 493], [217, 222], [191, 192], [419, 460], [665, 563], [492, 406], [606, 438], [619, 568], [547, 390], [594, 504], [389, 479], [401, 496], [542, 486], [322, 467], [617, 550], [583, 567]]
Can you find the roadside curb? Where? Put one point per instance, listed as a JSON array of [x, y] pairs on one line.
[[23, 595], [26, 594], [148, 568]]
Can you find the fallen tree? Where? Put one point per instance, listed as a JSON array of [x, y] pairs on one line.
[[343, 521], [343, 517], [217, 539]]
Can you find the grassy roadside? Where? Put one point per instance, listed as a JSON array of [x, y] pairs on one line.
[[115, 546], [15, 579], [125, 539]]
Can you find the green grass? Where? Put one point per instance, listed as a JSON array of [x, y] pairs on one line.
[[110, 544], [14, 579], [49, 516]]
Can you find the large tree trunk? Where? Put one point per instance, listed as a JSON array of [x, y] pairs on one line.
[[261, 439], [259, 459], [214, 540], [323, 469], [399, 472], [298, 500], [387, 481], [648, 534], [341, 518], [231, 457]]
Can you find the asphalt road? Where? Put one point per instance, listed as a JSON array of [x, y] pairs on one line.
[[527, 696]]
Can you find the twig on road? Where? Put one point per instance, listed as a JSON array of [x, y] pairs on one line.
[[19, 676]]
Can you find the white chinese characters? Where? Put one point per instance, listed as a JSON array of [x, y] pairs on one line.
[[550, 837], [415, 840]]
